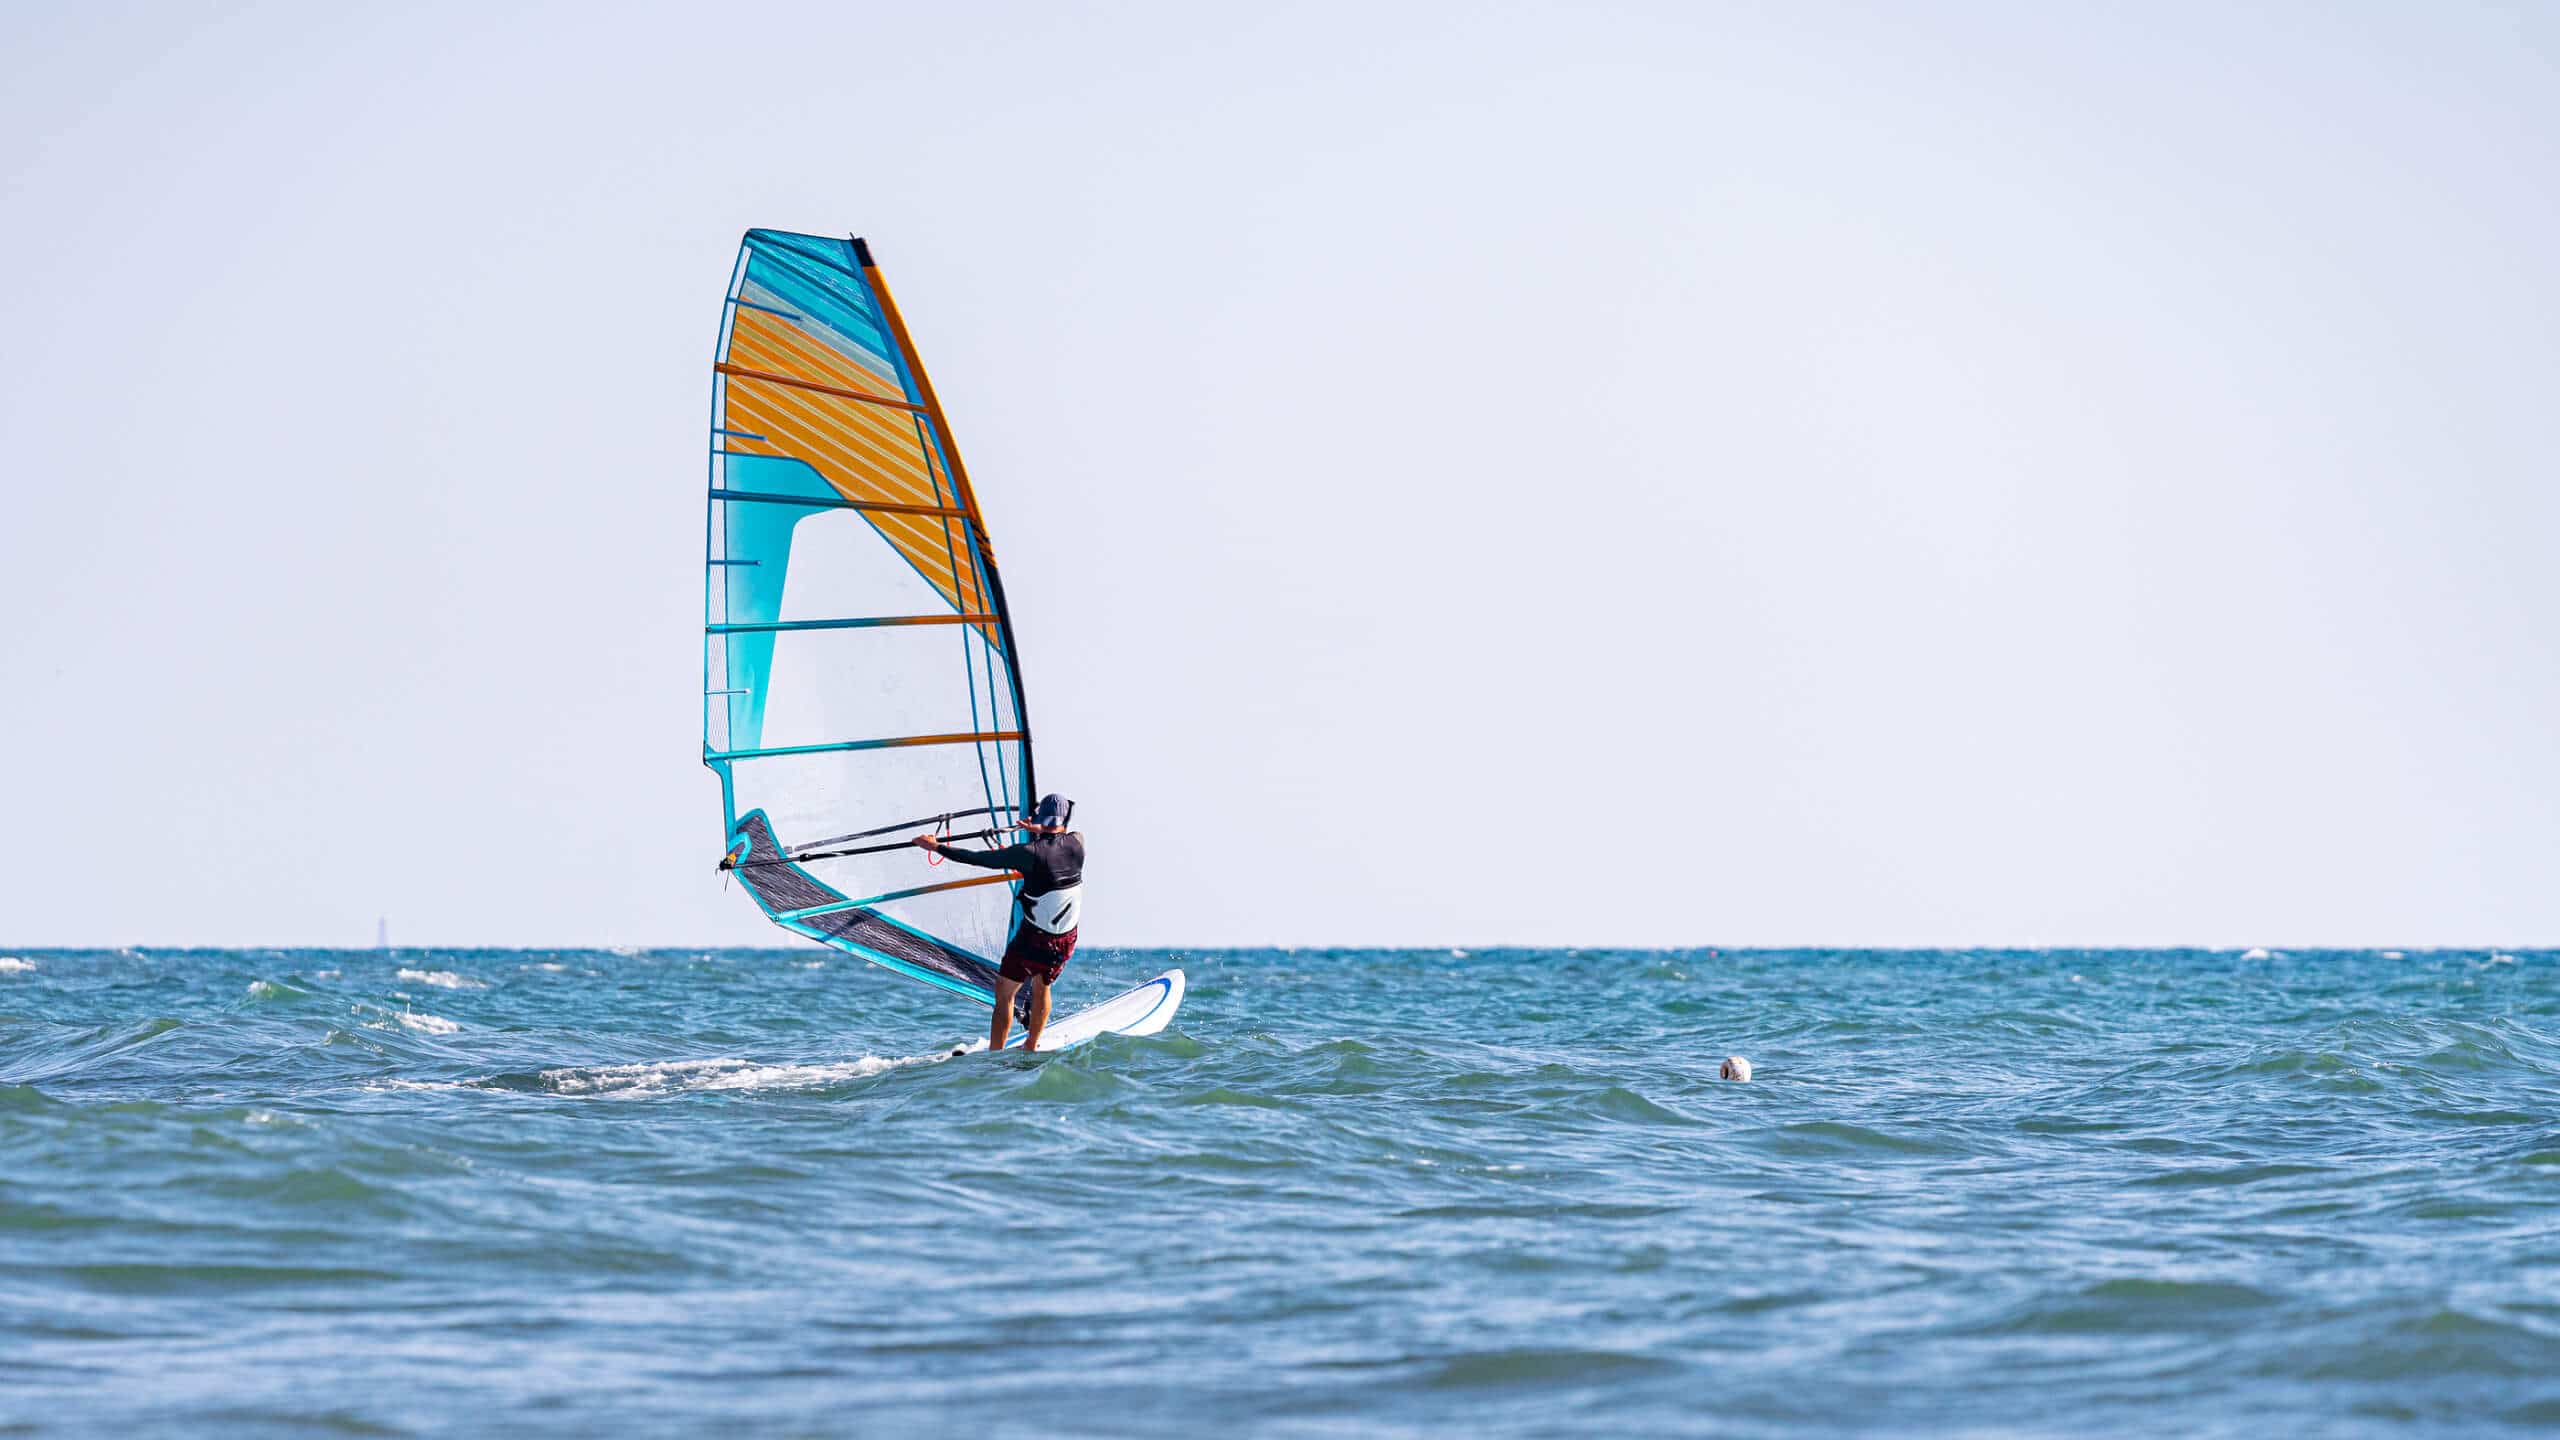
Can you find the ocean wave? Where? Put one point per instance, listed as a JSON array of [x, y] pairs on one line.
[[2204, 1177], [27, 1098], [2443, 1343], [2138, 1304], [214, 1278], [442, 980], [74, 1055], [1535, 1366], [12, 965], [1840, 1139], [383, 1017]]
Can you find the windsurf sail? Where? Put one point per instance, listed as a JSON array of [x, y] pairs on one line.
[[861, 683]]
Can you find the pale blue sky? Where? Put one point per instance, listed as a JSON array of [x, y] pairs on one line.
[[1553, 474]]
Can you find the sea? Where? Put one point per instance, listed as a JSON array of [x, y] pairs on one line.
[[450, 1192]]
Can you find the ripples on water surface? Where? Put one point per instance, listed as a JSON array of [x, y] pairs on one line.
[[1350, 1192]]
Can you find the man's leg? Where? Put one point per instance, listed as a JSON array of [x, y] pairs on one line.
[[1039, 1015], [1002, 1020]]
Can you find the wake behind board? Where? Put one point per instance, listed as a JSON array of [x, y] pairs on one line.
[[1143, 1011]]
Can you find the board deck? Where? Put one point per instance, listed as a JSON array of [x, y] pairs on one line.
[[1142, 1011]]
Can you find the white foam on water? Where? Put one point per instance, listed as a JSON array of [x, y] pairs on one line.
[[671, 1077], [324, 974], [442, 979], [665, 1077], [12, 965], [813, 965], [2254, 953], [547, 965], [268, 989], [2499, 957], [2395, 955], [429, 1024]]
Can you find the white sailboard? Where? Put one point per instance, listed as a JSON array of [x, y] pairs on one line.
[[1142, 1011]]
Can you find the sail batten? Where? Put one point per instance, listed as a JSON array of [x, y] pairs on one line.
[[884, 743], [841, 392], [851, 623], [825, 502], [859, 663]]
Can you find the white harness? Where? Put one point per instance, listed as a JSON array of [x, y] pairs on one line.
[[1056, 911]]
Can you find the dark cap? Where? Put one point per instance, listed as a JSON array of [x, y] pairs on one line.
[[1053, 811]]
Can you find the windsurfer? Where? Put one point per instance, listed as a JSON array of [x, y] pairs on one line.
[[1051, 864]]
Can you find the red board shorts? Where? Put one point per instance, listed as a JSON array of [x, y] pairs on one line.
[[1035, 951]]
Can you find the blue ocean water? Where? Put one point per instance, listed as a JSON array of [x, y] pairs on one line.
[[1348, 1193]]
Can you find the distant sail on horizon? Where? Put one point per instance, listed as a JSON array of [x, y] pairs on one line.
[[860, 673]]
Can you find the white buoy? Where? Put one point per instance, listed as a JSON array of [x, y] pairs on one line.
[[1735, 1068]]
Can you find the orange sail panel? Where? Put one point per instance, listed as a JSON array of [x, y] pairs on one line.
[[865, 451]]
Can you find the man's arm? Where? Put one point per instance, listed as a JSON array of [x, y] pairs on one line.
[[1010, 857]]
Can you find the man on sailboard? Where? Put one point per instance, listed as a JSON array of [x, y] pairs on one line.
[[1051, 864]]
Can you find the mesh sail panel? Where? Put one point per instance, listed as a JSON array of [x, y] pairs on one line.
[[858, 669], [783, 889]]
